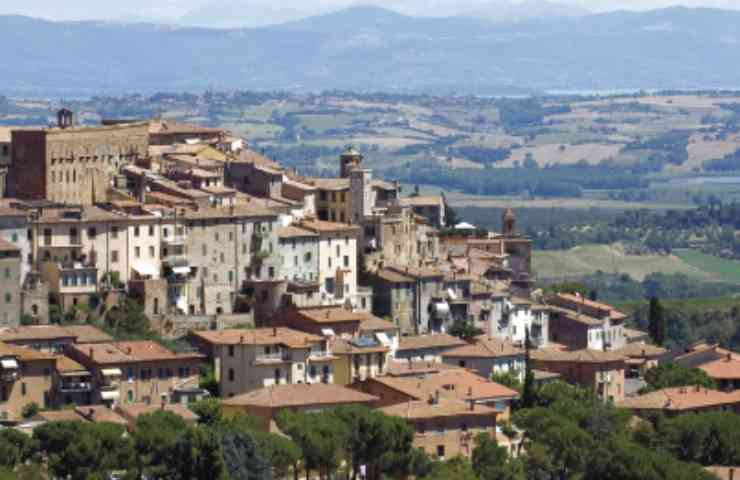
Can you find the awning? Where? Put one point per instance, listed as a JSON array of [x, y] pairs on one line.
[[111, 372], [181, 270], [328, 332], [9, 364], [110, 394], [383, 339], [146, 270]]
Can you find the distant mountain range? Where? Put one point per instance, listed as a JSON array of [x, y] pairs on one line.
[[370, 48]]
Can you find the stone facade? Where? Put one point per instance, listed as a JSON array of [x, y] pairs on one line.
[[74, 165], [10, 284], [25, 377]]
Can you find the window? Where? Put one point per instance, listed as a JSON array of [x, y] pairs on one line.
[[231, 236], [277, 376], [329, 261], [346, 261], [307, 257], [156, 306], [231, 374], [312, 371], [14, 237], [339, 252], [114, 232], [136, 231], [165, 232], [92, 233], [73, 238], [130, 395], [231, 350], [216, 236], [23, 389], [223, 257], [151, 230], [8, 298], [7, 272], [131, 374], [441, 451], [244, 248], [137, 252], [204, 249], [114, 256], [271, 272], [231, 276]]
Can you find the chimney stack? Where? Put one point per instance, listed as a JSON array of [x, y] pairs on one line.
[[274, 331]]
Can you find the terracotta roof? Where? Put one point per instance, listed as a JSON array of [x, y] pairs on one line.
[[128, 352], [681, 398], [399, 368], [438, 340], [322, 226], [132, 411], [330, 183], [447, 407], [297, 395], [259, 336], [372, 322], [630, 333], [383, 185], [346, 347], [576, 356], [250, 156], [175, 127], [423, 201], [100, 413], [577, 317], [67, 365], [572, 301], [24, 354], [90, 213], [450, 383], [59, 416], [486, 347], [79, 333], [241, 210], [293, 231], [641, 350], [332, 314], [727, 368], [397, 274]]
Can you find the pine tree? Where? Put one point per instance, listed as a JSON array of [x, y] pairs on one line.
[[656, 322], [528, 389]]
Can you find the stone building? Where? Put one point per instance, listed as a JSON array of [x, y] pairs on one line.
[[604, 372], [167, 132], [10, 284], [136, 371], [412, 297], [519, 316], [25, 377], [431, 207], [73, 164], [248, 360], [299, 250]]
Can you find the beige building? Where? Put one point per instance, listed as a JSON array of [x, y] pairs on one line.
[[445, 427], [137, 371], [248, 360], [25, 378]]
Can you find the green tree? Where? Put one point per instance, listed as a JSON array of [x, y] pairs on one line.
[[464, 329], [321, 438], [198, 454], [128, 320], [242, 458], [30, 409], [656, 322], [668, 375], [528, 387], [281, 453], [492, 462], [208, 411], [457, 468], [155, 437], [16, 447], [508, 379]]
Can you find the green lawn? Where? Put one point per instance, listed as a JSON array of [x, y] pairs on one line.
[[586, 259], [718, 268]]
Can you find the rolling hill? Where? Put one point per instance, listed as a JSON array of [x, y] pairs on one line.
[[370, 48]]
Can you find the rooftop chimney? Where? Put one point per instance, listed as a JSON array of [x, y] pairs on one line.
[[274, 331]]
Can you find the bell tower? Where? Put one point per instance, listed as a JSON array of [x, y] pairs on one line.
[[508, 223], [348, 160]]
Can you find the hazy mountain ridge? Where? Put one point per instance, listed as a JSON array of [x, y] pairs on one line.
[[370, 48]]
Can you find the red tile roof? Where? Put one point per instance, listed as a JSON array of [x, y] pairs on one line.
[[297, 395], [681, 398]]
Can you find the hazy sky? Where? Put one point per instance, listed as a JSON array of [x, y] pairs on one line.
[[266, 10]]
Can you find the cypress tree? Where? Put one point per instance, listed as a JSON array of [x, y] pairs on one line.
[[528, 388]]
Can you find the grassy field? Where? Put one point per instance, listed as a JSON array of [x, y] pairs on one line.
[[588, 259], [718, 268]]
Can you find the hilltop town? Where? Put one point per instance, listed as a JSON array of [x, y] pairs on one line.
[[150, 266]]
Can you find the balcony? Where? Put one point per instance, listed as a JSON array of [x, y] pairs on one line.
[[320, 355], [71, 387], [174, 240], [278, 357], [9, 376], [175, 261]]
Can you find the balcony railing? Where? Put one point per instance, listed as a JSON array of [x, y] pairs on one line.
[[273, 357], [9, 376], [319, 354], [75, 387], [175, 240], [176, 261]]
